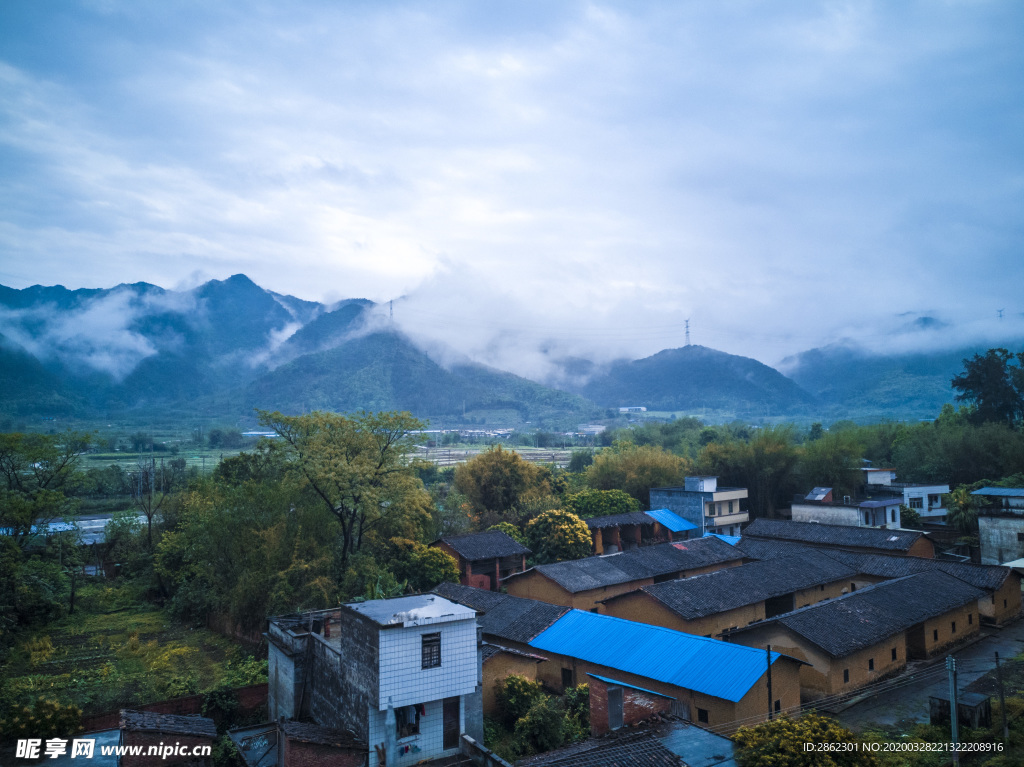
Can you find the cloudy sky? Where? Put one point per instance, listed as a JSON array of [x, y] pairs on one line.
[[580, 177]]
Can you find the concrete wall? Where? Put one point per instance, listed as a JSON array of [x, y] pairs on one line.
[[343, 679], [850, 516], [999, 539], [688, 505]]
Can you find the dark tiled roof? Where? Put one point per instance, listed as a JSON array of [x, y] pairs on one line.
[[748, 584], [639, 750], [489, 650], [645, 562], [486, 545], [867, 616], [613, 520], [987, 577], [314, 733], [147, 721], [767, 548], [832, 535], [511, 618]]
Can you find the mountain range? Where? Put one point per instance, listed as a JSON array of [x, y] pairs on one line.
[[228, 346]]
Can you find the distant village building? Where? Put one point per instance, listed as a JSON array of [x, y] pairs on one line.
[[485, 558], [403, 675], [633, 409], [705, 505], [621, 532], [1000, 524], [912, 543], [581, 583], [926, 500], [819, 505], [870, 633], [715, 602]]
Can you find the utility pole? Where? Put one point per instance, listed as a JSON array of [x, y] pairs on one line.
[[1002, 700], [951, 667], [771, 713]]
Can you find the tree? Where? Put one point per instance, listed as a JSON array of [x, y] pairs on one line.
[[764, 464], [962, 510], [515, 694], [600, 503], [833, 461], [355, 465], [557, 535], [636, 469], [780, 743], [150, 487], [421, 567], [498, 482], [994, 386], [510, 530], [35, 470]]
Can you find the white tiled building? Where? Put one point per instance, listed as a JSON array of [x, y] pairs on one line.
[[403, 674]]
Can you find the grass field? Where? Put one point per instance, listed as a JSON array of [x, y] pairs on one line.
[[115, 652]]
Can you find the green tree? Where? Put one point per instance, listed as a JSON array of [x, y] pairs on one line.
[[510, 530], [421, 567], [994, 386], [600, 503], [962, 510], [636, 469], [542, 728], [498, 483], [833, 461], [781, 743], [355, 465], [515, 694], [557, 535]]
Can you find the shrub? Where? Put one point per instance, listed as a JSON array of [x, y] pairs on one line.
[[558, 535], [515, 695], [542, 727]]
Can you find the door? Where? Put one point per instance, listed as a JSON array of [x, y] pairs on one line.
[[452, 730], [614, 708]]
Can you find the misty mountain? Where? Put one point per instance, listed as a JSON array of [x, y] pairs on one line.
[[850, 379], [385, 371], [694, 378]]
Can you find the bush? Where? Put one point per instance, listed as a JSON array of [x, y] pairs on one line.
[[43, 719], [542, 727], [577, 712], [515, 695], [558, 535], [780, 743], [510, 530], [600, 503]]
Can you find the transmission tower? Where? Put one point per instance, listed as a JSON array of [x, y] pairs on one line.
[[687, 332]]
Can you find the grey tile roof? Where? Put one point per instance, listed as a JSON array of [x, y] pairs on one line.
[[986, 577], [635, 750], [613, 520], [314, 733], [723, 590], [489, 651], [867, 616], [148, 721], [578, 575], [832, 535], [486, 545], [506, 617]]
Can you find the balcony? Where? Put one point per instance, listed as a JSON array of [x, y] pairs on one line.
[[723, 520]]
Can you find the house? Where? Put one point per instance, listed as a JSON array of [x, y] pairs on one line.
[[621, 532], [402, 675], [1000, 524], [912, 543], [706, 681], [485, 558], [712, 603], [582, 583], [501, 662], [926, 500], [297, 744], [878, 477], [166, 739], [820, 506], [1001, 585], [870, 633], [704, 504]]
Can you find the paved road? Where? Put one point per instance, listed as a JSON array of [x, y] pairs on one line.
[[909, 701]]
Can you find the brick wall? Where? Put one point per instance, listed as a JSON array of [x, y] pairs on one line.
[[300, 754], [636, 706], [160, 741], [251, 699]]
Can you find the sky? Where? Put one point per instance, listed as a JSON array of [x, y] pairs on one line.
[[534, 180]]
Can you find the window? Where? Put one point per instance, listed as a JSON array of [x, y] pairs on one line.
[[1004, 603], [821, 587], [778, 706], [953, 624], [871, 664], [730, 507], [970, 619], [566, 678], [431, 645], [407, 720], [935, 635], [853, 586], [867, 518], [894, 653], [916, 503], [893, 513], [702, 715], [846, 675]]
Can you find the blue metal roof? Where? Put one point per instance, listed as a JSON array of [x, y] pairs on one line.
[[732, 540], [1004, 492], [606, 680], [701, 664], [671, 520]]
